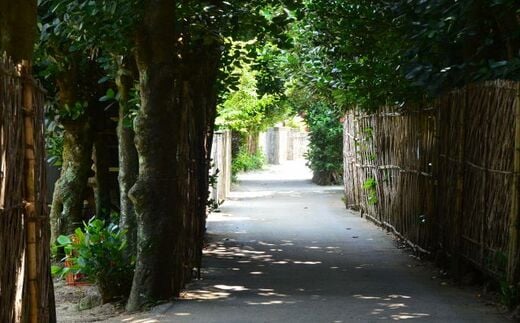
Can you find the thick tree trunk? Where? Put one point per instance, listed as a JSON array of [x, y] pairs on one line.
[[70, 189], [128, 160], [67, 204], [18, 28], [158, 203], [101, 158], [173, 132]]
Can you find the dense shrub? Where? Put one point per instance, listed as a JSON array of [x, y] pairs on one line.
[[325, 155], [98, 251], [245, 161]]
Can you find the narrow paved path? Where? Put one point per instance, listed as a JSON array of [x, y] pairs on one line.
[[285, 250]]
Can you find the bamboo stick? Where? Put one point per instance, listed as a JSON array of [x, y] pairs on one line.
[[512, 266], [30, 196]]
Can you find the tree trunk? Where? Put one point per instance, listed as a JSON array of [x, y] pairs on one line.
[[18, 28], [101, 158], [67, 204], [173, 132], [128, 159], [158, 203], [252, 143], [70, 189]]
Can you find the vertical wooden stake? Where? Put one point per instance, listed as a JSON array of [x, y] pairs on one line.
[[512, 263], [459, 189], [31, 219]]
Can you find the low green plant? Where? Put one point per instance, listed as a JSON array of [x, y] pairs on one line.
[[509, 294], [370, 186], [245, 161], [98, 251]]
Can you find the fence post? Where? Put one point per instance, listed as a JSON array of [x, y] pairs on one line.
[[31, 217], [512, 264], [459, 190]]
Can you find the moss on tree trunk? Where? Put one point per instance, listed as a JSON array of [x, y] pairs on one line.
[[67, 204], [156, 199], [128, 159], [101, 158], [173, 137]]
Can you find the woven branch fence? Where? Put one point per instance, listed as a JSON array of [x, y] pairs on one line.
[[443, 177], [18, 293]]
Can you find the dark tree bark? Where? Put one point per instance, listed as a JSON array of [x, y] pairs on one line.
[[157, 202], [67, 204], [77, 85], [173, 133], [101, 158], [128, 159], [18, 28]]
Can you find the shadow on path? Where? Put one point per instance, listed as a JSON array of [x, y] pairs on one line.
[[284, 250]]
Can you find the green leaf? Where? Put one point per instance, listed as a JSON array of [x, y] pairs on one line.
[[56, 270], [110, 95], [64, 240]]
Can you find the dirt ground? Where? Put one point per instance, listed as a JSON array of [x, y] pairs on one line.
[[68, 299]]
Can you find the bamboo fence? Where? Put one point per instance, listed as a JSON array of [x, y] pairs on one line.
[[443, 177], [25, 284]]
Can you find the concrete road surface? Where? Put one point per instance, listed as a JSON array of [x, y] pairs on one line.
[[285, 250]]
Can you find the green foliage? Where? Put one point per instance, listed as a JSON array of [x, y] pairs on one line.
[[211, 203], [245, 161], [347, 53], [325, 139], [509, 294], [245, 110], [54, 143], [98, 251], [451, 43], [370, 186]]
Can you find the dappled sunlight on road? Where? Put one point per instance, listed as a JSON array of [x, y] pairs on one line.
[[284, 250], [391, 307]]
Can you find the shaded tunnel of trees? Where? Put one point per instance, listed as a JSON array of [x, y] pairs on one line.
[[154, 75]]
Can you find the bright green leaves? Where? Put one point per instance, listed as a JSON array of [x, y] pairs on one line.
[[245, 110], [347, 51], [326, 139], [370, 187], [97, 250]]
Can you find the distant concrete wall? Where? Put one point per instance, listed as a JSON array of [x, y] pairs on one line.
[[282, 144], [297, 144], [276, 143], [262, 143], [221, 158]]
